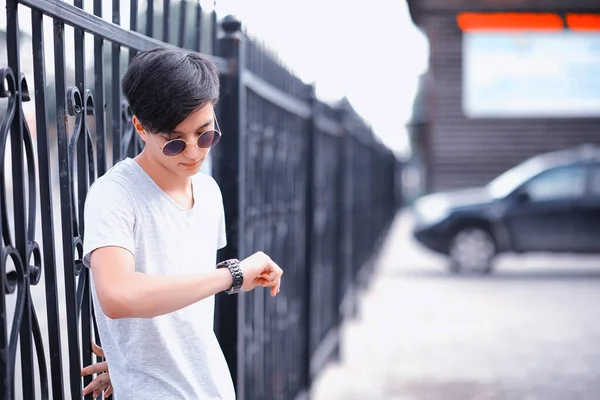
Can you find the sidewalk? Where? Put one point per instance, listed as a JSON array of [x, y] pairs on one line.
[[528, 332], [367, 357]]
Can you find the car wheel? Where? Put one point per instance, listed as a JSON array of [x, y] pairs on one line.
[[472, 251]]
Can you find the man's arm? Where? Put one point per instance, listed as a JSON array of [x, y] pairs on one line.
[[125, 293]]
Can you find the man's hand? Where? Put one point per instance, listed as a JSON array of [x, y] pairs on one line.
[[102, 381], [260, 270]]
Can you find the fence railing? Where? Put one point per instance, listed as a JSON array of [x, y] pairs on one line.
[[303, 181], [311, 187]]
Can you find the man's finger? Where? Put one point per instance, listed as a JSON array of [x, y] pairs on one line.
[[95, 368], [275, 289], [97, 385], [87, 390], [108, 391], [97, 350], [265, 282], [100, 383], [273, 271], [92, 387], [277, 273], [266, 276]]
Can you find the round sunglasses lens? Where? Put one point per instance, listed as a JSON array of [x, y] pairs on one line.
[[208, 139], [216, 138], [174, 147]]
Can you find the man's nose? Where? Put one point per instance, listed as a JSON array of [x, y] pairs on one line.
[[192, 151]]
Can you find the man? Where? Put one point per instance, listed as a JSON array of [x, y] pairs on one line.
[[153, 225]]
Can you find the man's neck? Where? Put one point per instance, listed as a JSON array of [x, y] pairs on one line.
[[163, 177]]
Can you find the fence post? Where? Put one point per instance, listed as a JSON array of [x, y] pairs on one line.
[[346, 216], [229, 173], [309, 253]]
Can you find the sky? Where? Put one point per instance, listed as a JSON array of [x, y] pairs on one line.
[[370, 52]]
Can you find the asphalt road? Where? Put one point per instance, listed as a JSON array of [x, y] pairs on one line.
[[529, 332]]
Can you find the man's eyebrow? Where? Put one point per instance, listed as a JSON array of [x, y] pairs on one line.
[[204, 125]]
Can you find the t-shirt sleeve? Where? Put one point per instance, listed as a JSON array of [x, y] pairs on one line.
[[222, 239], [109, 218]]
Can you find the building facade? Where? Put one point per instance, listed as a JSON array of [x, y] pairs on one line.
[[507, 79]]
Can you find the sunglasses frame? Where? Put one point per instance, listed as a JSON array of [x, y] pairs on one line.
[[217, 130]]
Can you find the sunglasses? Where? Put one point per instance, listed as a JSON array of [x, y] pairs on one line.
[[206, 140]]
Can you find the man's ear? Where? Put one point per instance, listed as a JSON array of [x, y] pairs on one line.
[[139, 128]]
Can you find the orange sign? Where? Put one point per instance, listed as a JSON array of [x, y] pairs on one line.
[[511, 21], [583, 22]]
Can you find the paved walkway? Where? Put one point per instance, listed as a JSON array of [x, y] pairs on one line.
[[529, 332]]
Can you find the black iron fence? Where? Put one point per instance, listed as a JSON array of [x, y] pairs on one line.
[[303, 181]]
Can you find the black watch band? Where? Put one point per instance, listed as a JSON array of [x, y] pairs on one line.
[[236, 273]]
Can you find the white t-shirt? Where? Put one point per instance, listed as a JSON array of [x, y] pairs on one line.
[[173, 356]]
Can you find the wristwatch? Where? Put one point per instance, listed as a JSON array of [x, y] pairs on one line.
[[236, 273]]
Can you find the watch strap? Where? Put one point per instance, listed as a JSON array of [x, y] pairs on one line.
[[236, 274]]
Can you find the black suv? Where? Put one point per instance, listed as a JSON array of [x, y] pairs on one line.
[[549, 203]]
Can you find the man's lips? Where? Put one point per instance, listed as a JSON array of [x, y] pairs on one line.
[[192, 164]]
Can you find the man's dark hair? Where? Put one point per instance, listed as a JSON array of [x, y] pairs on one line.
[[164, 86]]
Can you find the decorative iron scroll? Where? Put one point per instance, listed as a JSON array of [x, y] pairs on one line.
[[28, 263]]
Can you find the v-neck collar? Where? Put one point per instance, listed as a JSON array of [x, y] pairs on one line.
[[162, 192]]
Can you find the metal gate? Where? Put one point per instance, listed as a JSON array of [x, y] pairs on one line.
[[303, 181]]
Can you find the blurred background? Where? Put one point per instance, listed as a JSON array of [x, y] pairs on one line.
[[427, 172], [487, 287]]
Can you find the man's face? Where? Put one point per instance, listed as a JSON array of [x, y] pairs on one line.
[[189, 161]]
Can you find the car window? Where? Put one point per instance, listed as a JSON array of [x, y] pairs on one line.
[[595, 180], [559, 183]]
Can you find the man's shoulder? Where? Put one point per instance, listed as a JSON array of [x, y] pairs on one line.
[[205, 182], [122, 173], [115, 183]]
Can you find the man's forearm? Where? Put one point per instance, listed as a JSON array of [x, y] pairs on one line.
[[140, 295]]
